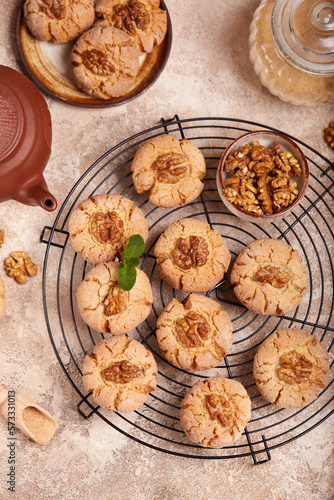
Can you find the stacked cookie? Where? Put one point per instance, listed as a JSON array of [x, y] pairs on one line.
[[111, 38]]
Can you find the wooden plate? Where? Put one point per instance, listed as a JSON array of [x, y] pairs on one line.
[[49, 66]]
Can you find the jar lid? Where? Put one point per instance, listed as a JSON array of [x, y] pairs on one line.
[[303, 31]]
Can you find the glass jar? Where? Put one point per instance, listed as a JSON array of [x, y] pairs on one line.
[[292, 49]]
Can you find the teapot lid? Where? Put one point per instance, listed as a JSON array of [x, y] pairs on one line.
[[10, 120]]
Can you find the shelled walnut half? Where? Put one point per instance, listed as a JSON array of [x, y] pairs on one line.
[[2, 237], [19, 265], [329, 134]]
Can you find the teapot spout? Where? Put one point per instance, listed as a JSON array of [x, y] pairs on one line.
[[38, 195]]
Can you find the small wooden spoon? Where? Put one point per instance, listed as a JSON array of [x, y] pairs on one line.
[[28, 416]]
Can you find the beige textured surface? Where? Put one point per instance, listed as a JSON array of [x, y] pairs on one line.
[[208, 74]]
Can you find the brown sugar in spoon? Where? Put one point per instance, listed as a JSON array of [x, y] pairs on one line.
[[26, 415]]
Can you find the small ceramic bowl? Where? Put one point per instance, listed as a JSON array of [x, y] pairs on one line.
[[265, 138]]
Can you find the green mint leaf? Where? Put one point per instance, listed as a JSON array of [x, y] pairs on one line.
[[132, 262], [134, 248], [127, 272], [126, 276]]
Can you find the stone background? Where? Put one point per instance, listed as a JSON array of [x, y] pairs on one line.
[[208, 74]]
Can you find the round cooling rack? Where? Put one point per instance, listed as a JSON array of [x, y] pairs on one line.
[[308, 229]]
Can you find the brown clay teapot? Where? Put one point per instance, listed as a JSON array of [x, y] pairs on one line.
[[25, 141]]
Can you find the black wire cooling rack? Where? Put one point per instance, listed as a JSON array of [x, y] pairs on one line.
[[308, 229]]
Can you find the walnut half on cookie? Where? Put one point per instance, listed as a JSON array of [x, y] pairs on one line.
[[191, 256], [215, 412], [106, 307], [269, 277], [290, 368], [195, 334], [171, 171], [120, 373]]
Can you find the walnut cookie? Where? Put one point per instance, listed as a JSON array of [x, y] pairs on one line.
[[215, 412], [143, 20], [106, 307], [290, 368], [120, 373], [191, 256], [101, 226], [105, 62], [58, 21], [194, 335], [170, 171], [269, 277]]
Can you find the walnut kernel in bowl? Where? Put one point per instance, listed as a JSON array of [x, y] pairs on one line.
[[262, 176]]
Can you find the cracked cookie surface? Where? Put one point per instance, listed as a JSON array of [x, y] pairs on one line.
[[58, 21], [195, 334], [2, 297], [191, 256], [143, 20], [120, 373], [108, 308], [171, 171], [269, 277], [101, 226], [215, 412], [290, 368], [105, 62]]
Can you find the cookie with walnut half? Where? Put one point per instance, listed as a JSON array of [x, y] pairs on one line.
[[58, 21], [105, 62], [120, 373], [290, 368], [191, 256], [171, 171], [106, 307], [143, 20], [195, 334], [215, 412], [269, 277], [100, 227]]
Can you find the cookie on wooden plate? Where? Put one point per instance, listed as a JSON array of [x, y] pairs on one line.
[[171, 171], [58, 21], [215, 412], [106, 307], [191, 256], [105, 62], [290, 368], [120, 373], [269, 277], [143, 20], [195, 334], [100, 227]]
